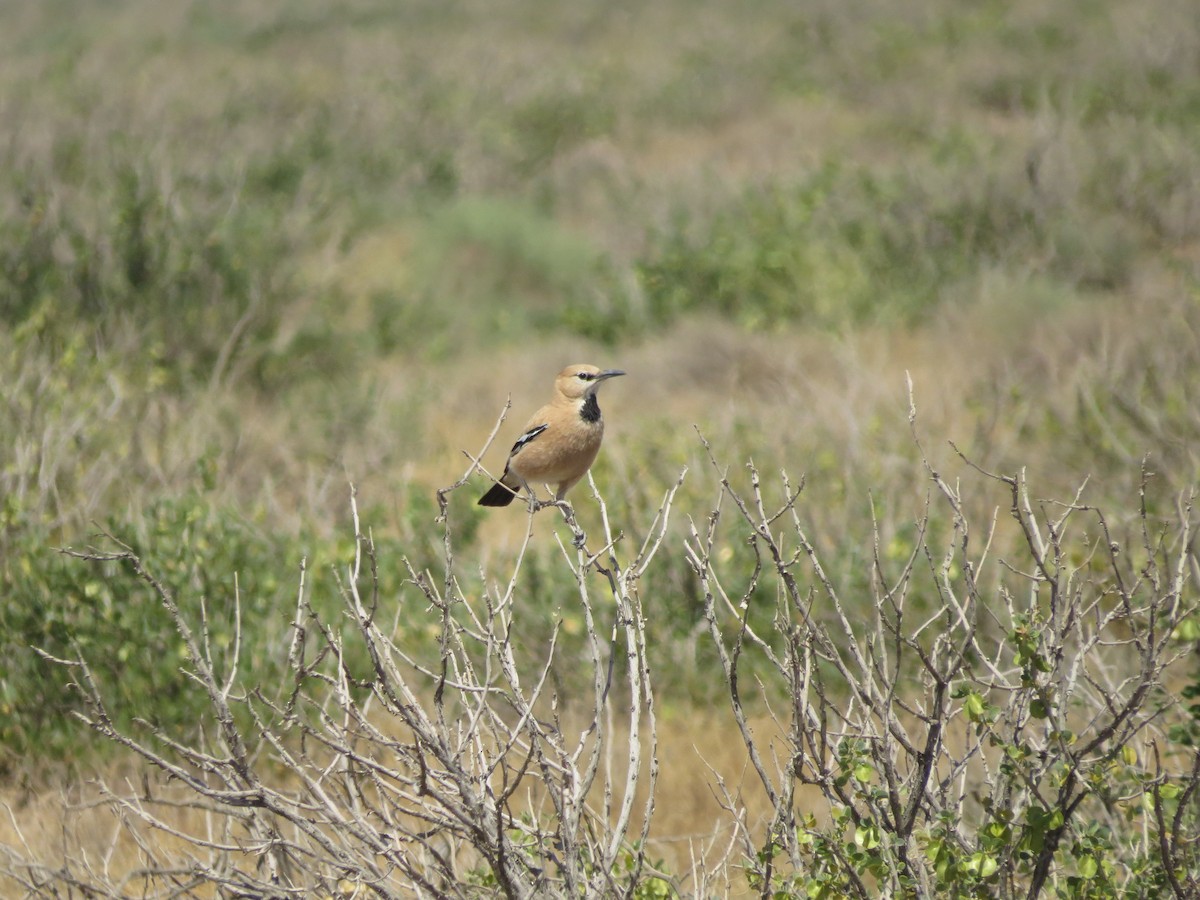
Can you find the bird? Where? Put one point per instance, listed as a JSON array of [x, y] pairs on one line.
[[560, 442]]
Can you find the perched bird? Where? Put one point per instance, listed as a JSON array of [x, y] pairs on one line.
[[561, 440]]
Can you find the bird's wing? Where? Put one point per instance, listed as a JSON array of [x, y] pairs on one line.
[[529, 435]]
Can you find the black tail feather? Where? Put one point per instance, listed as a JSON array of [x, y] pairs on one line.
[[499, 495]]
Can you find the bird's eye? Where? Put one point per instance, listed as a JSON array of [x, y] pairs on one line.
[[585, 376]]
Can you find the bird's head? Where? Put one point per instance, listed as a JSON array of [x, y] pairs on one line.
[[578, 381]]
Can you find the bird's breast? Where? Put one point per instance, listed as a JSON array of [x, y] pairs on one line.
[[563, 451]]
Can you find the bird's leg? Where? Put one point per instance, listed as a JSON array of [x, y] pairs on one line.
[[522, 485], [539, 505]]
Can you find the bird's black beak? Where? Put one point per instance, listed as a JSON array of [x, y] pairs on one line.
[[608, 373]]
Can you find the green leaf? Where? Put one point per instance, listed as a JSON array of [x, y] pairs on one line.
[[1169, 791], [974, 706], [1187, 630], [867, 836], [982, 865]]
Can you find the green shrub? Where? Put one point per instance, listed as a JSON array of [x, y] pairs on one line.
[[220, 565], [53, 604], [204, 289], [851, 245]]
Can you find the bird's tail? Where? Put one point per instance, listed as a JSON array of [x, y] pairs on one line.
[[500, 495]]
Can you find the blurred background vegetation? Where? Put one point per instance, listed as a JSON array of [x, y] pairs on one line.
[[250, 253]]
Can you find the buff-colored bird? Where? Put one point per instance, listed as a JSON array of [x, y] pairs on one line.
[[561, 440]]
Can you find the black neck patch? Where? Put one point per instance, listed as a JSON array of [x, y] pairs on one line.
[[590, 412]]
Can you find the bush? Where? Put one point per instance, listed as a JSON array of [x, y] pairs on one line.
[[983, 711], [226, 570], [199, 283], [209, 556], [1019, 738], [848, 245], [440, 812]]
